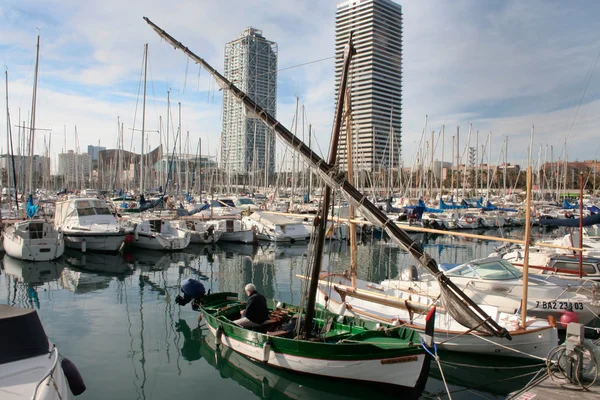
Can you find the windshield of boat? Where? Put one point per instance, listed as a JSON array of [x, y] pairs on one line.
[[493, 270], [244, 201], [92, 207]]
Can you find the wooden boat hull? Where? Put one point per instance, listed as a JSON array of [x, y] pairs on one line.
[[401, 363]]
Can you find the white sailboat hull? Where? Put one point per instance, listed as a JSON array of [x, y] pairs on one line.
[[157, 241], [204, 238], [238, 237], [44, 249], [535, 342]]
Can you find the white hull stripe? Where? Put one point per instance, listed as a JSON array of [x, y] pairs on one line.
[[402, 374]]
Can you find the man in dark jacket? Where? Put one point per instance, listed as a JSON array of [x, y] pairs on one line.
[[256, 311]]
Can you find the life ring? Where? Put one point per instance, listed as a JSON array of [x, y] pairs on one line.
[[263, 206], [469, 219]]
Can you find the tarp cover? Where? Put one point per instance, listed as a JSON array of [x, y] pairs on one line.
[[31, 209], [23, 335], [573, 222]]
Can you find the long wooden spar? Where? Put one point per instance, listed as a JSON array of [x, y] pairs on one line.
[[466, 312]]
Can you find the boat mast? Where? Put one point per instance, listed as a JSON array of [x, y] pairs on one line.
[[322, 222], [349, 149], [12, 153], [143, 120], [33, 105]]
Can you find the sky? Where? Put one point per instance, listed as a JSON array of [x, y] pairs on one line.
[[495, 66]]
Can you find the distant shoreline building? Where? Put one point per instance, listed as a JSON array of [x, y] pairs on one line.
[[75, 168], [375, 81], [248, 145], [93, 152]]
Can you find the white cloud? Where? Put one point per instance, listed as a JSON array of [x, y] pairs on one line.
[[502, 66]]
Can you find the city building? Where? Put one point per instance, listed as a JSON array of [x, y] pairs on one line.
[[74, 168], [93, 152], [248, 145], [374, 81]]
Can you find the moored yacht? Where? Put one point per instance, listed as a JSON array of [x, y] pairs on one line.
[[200, 231], [87, 224], [33, 240], [159, 234], [276, 228]]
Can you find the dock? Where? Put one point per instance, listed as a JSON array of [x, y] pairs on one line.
[[554, 388]]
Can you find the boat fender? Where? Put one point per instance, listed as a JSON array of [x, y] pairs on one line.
[[342, 310], [218, 335], [136, 234], [83, 246], [567, 317], [73, 376], [266, 351]]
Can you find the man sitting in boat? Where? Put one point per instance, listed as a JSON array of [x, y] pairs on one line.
[[256, 312]]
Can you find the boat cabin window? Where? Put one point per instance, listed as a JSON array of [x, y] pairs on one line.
[[574, 266], [465, 271], [90, 207], [495, 270], [227, 202], [245, 202], [36, 230]]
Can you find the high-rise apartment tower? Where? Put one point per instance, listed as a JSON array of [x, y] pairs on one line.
[[248, 146], [375, 80]]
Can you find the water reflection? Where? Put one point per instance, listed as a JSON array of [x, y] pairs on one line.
[[115, 315], [24, 278]]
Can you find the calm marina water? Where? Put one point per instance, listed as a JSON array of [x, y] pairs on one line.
[[116, 318]]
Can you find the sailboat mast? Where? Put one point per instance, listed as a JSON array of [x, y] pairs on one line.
[[349, 148], [33, 105], [7, 136], [322, 222], [12, 153], [143, 119]]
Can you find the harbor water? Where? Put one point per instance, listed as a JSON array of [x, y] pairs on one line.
[[115, 317]]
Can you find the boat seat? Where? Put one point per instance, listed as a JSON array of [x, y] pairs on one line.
[[335, 334], [277, 333], [264, 327]]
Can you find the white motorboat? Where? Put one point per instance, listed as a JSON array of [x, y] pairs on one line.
[[495, 282], [234, 231], [33, 240], [159, 234], [87, 224], [30, 366], [203, 232], [275, 228], [545, 261]]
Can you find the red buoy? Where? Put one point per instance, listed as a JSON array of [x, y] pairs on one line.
[[568, 316]]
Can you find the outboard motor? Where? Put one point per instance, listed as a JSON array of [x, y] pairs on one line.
[[73, 376], [192, 290]]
